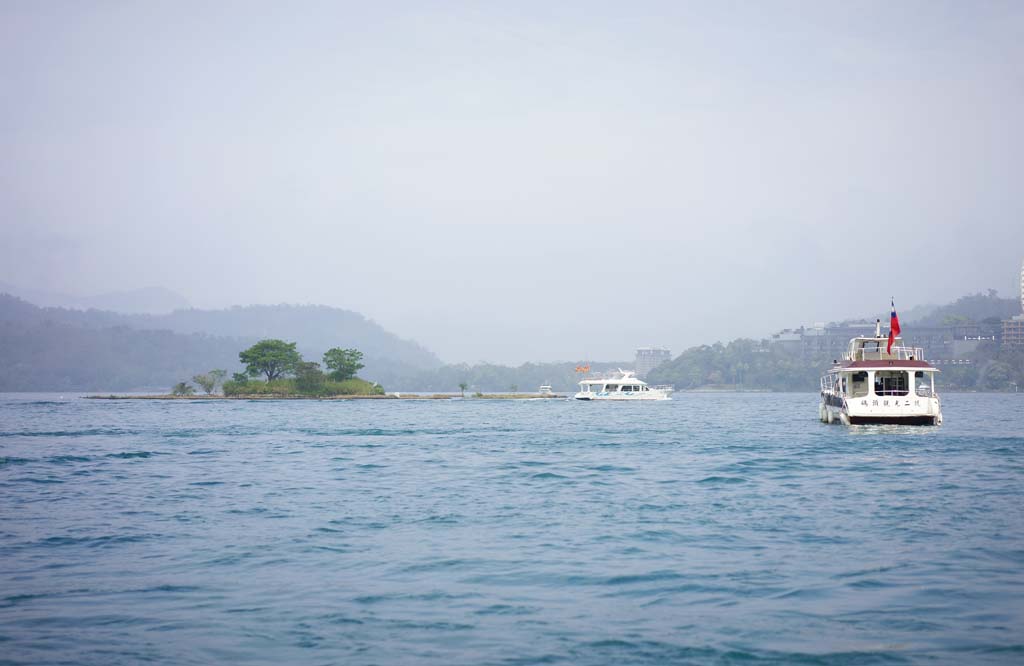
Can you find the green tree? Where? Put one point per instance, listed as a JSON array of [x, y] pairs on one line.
[[240, 378], [183, 388], [308, 377], [462, 387], [997, 375], [273, 358], [208, 381], [343, 363]]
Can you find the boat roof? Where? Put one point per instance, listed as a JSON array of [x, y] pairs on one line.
[[619, 376], [886, 364]]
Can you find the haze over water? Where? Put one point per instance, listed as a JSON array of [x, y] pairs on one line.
[[716, 528], [497, 181]]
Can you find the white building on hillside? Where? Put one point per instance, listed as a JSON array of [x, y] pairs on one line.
[[648, 358]]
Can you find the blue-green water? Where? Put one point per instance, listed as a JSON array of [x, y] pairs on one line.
[[719, 528]]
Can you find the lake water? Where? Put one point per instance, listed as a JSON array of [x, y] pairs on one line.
[[716, 528]]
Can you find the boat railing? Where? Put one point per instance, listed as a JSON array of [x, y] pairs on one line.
[[897, 354], [612, 375]]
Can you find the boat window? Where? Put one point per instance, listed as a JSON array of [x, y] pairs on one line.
[[891, 382], [860, 384], [871, 350], [922, 385]]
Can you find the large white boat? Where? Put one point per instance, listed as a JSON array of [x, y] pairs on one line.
[[621, 385], [876, 383]]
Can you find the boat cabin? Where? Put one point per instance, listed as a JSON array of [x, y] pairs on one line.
[[612, 386], [870, 369]]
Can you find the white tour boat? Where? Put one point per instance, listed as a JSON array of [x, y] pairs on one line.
[[621, 385], [546, 389], [880, 381]]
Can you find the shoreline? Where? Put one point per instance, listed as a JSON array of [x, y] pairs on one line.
[[390, 396]]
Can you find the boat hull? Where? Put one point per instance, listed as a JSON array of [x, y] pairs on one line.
[[893, 420], [603, 398], [832, 409]]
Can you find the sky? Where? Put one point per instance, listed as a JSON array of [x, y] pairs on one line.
[[511, 182]]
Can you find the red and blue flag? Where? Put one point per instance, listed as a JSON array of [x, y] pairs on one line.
[[894, 327]]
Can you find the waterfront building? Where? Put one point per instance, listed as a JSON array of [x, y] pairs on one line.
[[648, 358], [944, 343], [1013, 328], [1013, 332]]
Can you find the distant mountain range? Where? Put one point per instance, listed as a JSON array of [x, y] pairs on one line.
[[72, 349], [50, 348], [147, 300]]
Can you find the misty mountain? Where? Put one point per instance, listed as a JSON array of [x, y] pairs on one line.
[[316, 328], [53, 349], [971, 308], [975, 308], [67, 349], [147, 300]]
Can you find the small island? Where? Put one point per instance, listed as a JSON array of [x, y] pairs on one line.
[[275, 370]]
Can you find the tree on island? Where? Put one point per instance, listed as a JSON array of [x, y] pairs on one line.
[[208, 381], [183, 388], [462, 387], [308, 377], [343, 363], [273, 358]]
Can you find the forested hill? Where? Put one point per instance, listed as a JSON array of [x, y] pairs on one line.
[[53, 349], [975, 307], [761, 365], [314, 327], [44, 349]]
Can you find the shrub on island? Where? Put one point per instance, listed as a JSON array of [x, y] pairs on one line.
[[287, 387], [287, 374]]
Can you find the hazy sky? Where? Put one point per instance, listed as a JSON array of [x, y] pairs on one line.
[[518, 181]]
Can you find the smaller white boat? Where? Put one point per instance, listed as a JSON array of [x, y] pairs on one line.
[[621, 385], [546, 390]]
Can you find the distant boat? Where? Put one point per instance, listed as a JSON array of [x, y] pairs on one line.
[[621, 385], [546, 390]]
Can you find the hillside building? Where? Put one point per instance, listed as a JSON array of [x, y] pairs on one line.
[[943, 343], [1013, 333], [1013, 328], [648, 358]]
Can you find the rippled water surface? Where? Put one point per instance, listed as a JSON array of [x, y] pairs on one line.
[[717, 528]]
